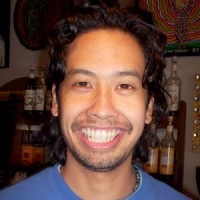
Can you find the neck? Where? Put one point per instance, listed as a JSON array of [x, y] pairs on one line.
[[87, 184]]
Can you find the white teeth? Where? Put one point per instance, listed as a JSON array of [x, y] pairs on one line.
[[100, 135]]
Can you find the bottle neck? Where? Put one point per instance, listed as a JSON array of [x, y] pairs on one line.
[[32, 72], [169, 132], [31, 75], [174, 72]]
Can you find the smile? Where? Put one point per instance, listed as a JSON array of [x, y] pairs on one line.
[[100, 135]]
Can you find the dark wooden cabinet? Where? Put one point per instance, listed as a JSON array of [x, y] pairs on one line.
[[11, 107], [8, 117]]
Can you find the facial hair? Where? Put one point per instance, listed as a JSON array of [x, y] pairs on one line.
[[91, 162]]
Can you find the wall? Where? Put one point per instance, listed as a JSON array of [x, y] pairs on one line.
[[21, 58]]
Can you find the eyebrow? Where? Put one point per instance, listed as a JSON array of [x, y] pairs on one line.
[[131, 73], [73, 72]]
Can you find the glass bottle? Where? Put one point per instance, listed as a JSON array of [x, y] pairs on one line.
[[167, 153], [48, 101], [30, 92], [173, 87], [26, 147], [48, 98], [38, 144], [40, 92], [151, 166]]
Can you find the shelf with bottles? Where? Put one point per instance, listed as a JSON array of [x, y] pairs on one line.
[[32, 122], [174, 179], [12, 101], [37, 95], [30, 149]]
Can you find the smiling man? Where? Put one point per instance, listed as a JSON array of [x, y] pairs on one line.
[[101, 104], [106, 71]]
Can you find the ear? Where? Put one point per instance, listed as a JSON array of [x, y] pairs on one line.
[[149, 111], [54, 108]]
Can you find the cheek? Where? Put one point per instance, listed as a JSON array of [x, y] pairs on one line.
[[70, 107], [134, 108], [136, 115]]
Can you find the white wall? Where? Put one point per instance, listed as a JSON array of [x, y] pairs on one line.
[[21, 58]]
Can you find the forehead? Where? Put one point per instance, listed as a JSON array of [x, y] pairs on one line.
[[105, 36], [106, 49]]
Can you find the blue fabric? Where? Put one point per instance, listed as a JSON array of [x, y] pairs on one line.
[[49, 185]]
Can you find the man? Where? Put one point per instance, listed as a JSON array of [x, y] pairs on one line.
[[106, 69]]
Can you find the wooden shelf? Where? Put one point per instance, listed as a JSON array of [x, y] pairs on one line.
[[180, 148]]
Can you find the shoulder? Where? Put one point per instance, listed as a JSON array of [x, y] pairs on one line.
[[152, 189], [32, 187], [48, 184]]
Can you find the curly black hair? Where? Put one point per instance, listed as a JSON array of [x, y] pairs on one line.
[[93, 16]]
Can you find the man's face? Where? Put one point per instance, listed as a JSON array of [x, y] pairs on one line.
[[102, 105]]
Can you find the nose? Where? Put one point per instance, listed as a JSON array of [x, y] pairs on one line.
[[102, 106]]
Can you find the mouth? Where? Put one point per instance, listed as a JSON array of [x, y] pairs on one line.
[[99, 135]]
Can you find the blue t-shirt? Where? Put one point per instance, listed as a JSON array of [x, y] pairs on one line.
[[49, 185]]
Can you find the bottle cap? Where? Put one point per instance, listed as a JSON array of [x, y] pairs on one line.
[[170, 119], [175, 58], [32, 71], [32, 67]]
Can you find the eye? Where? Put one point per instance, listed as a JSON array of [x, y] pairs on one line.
[[125, 86], [82, 85], [125, 89]]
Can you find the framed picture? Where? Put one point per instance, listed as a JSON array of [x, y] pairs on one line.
[[4, 33], [28, 17], [179, 21], [34, 18]]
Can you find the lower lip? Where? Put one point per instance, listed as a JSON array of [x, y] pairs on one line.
[[100, 145]]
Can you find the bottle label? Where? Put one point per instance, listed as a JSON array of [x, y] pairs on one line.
[[29, 100], [26, 155], [38, 154], [151, 166], [173, 100], [39, 100], [167, 161]]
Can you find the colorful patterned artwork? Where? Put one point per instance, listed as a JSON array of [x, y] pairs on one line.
[[179, 20]]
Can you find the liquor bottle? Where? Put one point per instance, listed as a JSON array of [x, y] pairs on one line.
[[38, 144], [40, 92], [26, 147], [173, 88], [167, 153], [48, 98], [48, 101], [30, 93], [151, 166]]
